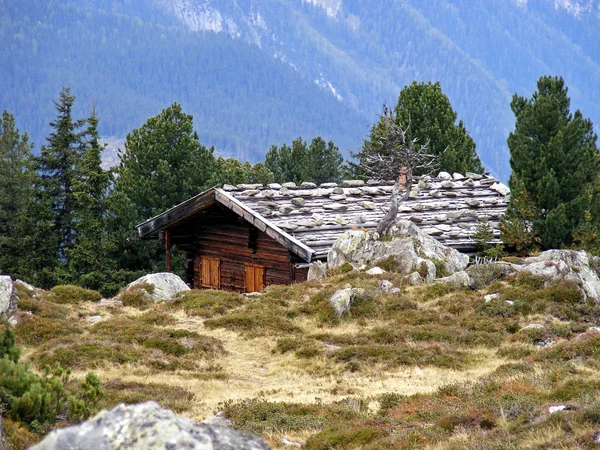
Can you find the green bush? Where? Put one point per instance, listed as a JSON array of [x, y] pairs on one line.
[[37, 400], [207, 303], [139, 296], [73, 294]]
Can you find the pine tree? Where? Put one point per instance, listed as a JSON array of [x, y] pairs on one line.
[[555, 160], [163, 164], [323, 162], [87, 254], [16, 178], [427, 116], [57, 167]]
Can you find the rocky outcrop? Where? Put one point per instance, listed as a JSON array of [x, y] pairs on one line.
[[317, 271], [412, 250], [578, 267], [147, 427], [570, 265], [342, 300], [164, 286], [8, 296]]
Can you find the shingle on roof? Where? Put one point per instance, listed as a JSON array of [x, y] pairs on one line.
[[447, 207]]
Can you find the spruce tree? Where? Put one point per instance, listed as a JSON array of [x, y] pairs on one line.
[[16, 179], [57, 167], [425, 113], [555, 160], [86, 255]]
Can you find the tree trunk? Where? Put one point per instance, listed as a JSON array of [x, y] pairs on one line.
[[389, 219]]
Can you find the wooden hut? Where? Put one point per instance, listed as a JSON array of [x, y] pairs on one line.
[[243, 238]]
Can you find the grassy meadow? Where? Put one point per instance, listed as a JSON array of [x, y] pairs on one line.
[[430, 368]]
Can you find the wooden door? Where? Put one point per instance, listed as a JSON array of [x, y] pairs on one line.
[[211, 273], [255, 278]]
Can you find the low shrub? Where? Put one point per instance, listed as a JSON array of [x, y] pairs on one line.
[[172, 397], [389, 264], [138, 297], [71, 294], [390, 400], [31, 330], [207, 303]]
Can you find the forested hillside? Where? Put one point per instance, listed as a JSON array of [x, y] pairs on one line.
[[260, 73]]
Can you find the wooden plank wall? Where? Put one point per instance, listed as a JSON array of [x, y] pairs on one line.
[[230, 243]]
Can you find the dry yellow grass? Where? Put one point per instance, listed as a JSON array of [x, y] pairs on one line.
[[253, 369]]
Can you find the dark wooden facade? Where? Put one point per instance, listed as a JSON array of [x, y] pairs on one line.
[[224, 251]]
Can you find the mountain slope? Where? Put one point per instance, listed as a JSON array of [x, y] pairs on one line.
[[256, 73]]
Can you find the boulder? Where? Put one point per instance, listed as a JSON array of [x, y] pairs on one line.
[[386, 286], [166, 285], [8, 296], [317, 271], [146, 426], [342, 300], [459, 280], [415, 279], [570, 265], [413, 250], [375, 271]]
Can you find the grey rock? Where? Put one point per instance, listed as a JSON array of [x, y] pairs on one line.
[[229, 187], [249, 187], [274, 185], [13, 321], [457, 176], [488, 298], [385, 286], [308, 185], [448, 184], [287, 443], [375, 271], [8, 296], [328, 185], [409, 246], [341, 301], [569, 265], [317, 271], [250, 193], [93, 319], [285, 209], [289, 185], [444, 176], [533, 326], [353, 183], [473, 176], [166, 285], [298, 201], [147, 427], [500, 189], [396, 290], [458, 280], [218, 419], [415, 279]]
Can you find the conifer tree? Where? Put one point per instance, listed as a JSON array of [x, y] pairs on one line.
[[90, 191], [426, 115], [57, 167], [16, 178], [555, 160], [163, 164], [323, 162]]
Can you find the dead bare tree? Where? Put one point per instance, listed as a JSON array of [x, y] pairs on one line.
[[397, 159]]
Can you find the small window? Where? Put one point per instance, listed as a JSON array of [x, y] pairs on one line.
[[255, 278], [211, 273]]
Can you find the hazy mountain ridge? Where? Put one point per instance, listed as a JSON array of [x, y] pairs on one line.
[[355, 55]]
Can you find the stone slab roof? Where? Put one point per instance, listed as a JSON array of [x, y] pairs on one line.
[[447, 207]]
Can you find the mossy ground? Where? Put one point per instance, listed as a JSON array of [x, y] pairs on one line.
[[432, 367]]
